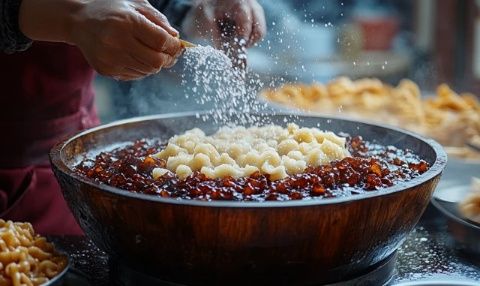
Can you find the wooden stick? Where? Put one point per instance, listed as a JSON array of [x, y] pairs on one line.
[[187, 44]]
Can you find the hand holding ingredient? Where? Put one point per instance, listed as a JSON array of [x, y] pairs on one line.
[[122, 39]]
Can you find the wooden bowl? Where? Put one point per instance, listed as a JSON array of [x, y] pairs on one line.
[[196, 242]]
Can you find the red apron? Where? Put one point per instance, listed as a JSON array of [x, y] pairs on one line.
[[46, 94]]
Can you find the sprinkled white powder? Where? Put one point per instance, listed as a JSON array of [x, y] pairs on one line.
[[213, 79]]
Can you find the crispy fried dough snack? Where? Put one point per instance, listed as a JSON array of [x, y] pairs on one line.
[[452, 119]]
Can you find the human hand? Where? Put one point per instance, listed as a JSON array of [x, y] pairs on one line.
[[232, 25], [119, 38]]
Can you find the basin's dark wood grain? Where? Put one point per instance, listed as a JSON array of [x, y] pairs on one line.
[[297, 242]]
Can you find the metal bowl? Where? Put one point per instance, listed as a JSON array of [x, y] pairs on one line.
[[433, 282], [454, 188], [284, 243], [59, 279], [465, 232]]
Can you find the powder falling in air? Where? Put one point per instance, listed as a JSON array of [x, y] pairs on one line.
[[215, 80]]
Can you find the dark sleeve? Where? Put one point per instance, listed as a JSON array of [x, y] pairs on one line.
[[11, 38], [174, 10]]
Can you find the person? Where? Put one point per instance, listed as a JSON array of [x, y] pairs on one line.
[[49, 50]]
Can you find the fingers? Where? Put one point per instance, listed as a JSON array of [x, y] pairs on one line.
[[129, 67], [218, 40], [144, 67], [166, 60], [157, 18], [127, 39], [134, 63], [172, 46], [243, 21], [259, 27], [136, 60], [156, 37], [155, 60]]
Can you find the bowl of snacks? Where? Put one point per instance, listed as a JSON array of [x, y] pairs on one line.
[[27, 258], [460, 205], [295, 199]]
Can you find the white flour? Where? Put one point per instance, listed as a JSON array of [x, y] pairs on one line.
[[214, 80]]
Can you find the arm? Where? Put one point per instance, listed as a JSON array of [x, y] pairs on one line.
[[125, 39]]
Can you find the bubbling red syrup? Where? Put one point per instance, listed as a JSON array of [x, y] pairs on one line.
[[371, 167]]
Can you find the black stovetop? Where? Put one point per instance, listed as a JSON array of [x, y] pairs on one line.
[[428, 253]]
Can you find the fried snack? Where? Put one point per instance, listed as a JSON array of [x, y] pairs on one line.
[[239, 152], [450, 118], [470, 207], [26, 259]]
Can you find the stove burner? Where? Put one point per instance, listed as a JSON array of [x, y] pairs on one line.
[[379, 274]]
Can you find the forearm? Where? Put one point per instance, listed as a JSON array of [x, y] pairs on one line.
[[49, 20], [124, 39]]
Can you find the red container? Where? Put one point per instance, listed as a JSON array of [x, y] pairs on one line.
[[378, 32]]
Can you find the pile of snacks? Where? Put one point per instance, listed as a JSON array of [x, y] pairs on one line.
[[25, 257], [288, 164], [452, 119], [240, 152]]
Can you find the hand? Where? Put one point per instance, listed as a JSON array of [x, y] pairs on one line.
[[119, 38], [233, 24]]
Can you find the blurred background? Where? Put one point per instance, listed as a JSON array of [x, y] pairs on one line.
[[428, 41]]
